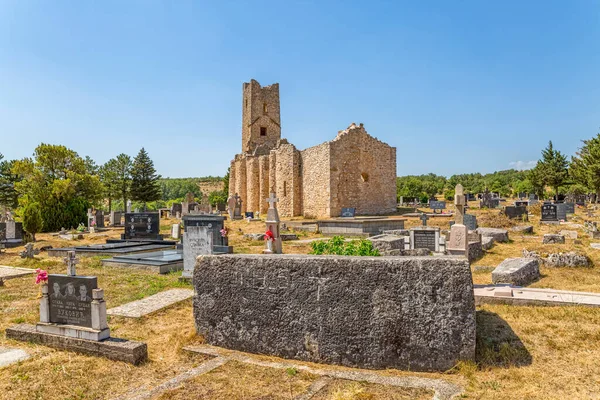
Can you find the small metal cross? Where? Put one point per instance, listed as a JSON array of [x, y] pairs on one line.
[[424, 218]]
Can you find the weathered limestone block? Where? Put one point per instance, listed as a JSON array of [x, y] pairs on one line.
[[475, 251], [569, 234], [499, 235], [570, 259], [414, 313], [385, 243], [487, 242], [517, 271], [551, 238], [524, 229]]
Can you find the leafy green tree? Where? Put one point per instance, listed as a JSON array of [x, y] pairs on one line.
[[217, 197], [554, 166], [178, 188], [226, 182], [536, 177], [122, 169], [8, 194], [57, 179], [585, 165], [144, 180], [32, 219], [109, 176]]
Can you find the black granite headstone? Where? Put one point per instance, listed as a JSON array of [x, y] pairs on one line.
[[515, 211], [437, 205], [70, 299], [549, 212], [424, 239], [570, 208], [144, 225], [561, 211]]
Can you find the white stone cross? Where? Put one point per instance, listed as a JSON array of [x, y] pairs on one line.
[[71, 262], [272, 200]]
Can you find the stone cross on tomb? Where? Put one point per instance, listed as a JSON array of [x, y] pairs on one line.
[[424, 218], [459, 202], [71, 262], [272, 200]]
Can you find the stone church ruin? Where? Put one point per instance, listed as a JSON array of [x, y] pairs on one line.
[[352, 170]]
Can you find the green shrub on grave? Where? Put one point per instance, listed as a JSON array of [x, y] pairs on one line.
[[338, 246]]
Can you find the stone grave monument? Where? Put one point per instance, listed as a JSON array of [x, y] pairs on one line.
[[549, 213], [115, 218], [273, 243], [142, 226], [459, 233], [231, 202], [215, 224], [197, 240], [437, 205], [73, 317], [348, 212]]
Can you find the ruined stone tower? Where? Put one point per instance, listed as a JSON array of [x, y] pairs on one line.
[[261, 121]]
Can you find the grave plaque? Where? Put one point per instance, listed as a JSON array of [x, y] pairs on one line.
[[70, 299], [214, 222], [515, 211], [470, 221], [424, 239], [348, 212], [437, 205], [549, 212], [197, 240], [570, 208], [249, 214], [561, 211], [142, 225]]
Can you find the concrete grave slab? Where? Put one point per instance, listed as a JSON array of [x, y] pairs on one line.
[[151, 304], [551, 238], [499, 294], [569, 234], [7, 273], [11, 355]]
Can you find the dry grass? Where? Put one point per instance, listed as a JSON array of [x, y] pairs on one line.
[[348, 390], [523, 352]]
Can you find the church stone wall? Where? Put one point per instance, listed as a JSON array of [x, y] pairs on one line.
[[315, 179], [288, 180], [363, 173]]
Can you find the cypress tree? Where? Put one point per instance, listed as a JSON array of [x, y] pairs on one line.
[[144, 180]]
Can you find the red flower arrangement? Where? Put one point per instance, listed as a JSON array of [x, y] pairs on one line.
[[269, 235], [42, 276]]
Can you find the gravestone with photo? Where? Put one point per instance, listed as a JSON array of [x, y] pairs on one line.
[[142, 226], [215, 223], [73, 317], [549, 213]]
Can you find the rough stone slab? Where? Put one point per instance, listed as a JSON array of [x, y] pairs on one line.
[[551, 238], [487, 294], [595, 246], [569, 234], [151, 304], [112, 348], [523, 229], [517, 271], [442, 389], [499, 235], [7, 273], [371, 312], [385, 243], [10, 356], [487, 242]]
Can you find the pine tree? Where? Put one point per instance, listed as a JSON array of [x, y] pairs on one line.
[[144, 180], [585, 165], [554, 166], [8, 194]]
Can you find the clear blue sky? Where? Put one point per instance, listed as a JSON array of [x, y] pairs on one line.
[[456, 86]]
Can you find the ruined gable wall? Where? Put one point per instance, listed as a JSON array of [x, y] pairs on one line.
[[363, 173], [240, 183], [315, 181], [252, 197], [287, 179]]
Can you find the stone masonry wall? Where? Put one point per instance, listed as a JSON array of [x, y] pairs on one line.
[[415, 313], [315, 179], [260, 108], [252, 184], [288, 181], [363, 173], [265, 187]]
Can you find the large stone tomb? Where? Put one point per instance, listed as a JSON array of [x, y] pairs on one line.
[[415, 313]]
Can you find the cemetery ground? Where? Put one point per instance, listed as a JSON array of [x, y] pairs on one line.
[[523, 352]]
